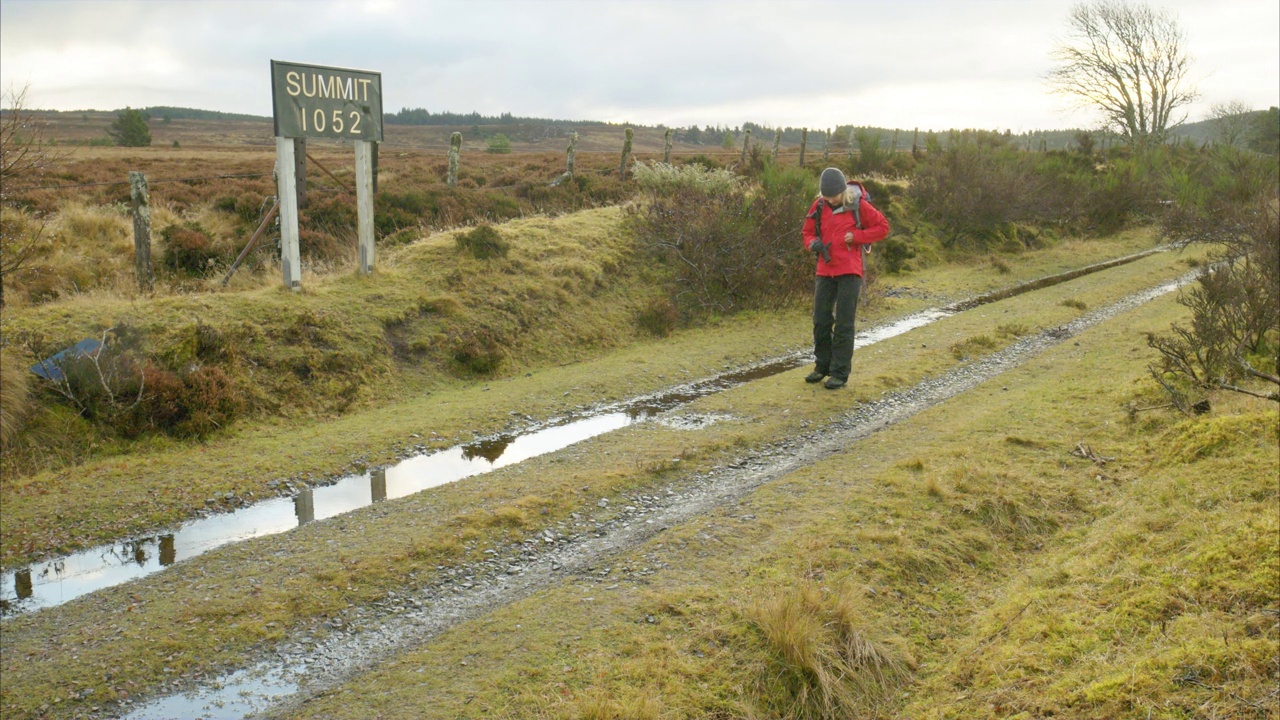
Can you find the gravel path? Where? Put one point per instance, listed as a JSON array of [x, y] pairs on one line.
[[303, 667]]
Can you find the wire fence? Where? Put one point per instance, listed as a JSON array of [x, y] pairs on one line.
[[149, 182]]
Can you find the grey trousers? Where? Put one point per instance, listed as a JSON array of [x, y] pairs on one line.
[[834, 301]]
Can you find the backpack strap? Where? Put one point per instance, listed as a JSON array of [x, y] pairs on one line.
[[817, 217]]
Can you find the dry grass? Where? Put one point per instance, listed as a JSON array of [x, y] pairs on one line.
[[14, 392], [822, 662]]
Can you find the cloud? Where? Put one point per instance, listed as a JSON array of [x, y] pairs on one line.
[[931, 63]]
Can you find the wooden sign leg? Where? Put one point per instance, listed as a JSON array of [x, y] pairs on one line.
[[364, 205], [287, 181]]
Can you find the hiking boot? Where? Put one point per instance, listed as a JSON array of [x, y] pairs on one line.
[[833, 383], [815, 376]]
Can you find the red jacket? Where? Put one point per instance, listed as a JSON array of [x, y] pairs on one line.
[[845, 258]]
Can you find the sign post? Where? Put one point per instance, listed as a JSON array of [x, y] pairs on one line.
[[315, 101]]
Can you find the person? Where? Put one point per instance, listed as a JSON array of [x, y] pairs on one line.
[[839, 278]]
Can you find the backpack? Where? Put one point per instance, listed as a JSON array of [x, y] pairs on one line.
[[854, 192]]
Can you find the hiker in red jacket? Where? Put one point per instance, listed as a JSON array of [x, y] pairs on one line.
[[839, 224]]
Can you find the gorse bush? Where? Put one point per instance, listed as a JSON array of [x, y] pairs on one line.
[[1233, 339], [728, 249], [662, 179]]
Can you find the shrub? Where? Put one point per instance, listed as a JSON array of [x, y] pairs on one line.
[[188, 249], [499, 143], [661, 179], [478, 350], [659, 318], [729, 250], [483, 242], [894, 254], [1233, 340]]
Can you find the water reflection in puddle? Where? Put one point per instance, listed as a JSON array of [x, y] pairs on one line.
[[238, 695], [53, 583]]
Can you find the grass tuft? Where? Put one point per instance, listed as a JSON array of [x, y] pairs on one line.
[[821, 661], [973, 347], [14, 389]]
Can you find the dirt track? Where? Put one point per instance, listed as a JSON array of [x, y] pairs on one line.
[[297, 669]]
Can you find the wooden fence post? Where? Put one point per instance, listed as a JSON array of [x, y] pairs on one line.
[[893, 149], [915, 144], [364, 206], [290, 258], [746, 144], [300, 169], [826, 149], [626, 153], [141, 200], [804, 140], [666, 147], [455, 149], [570, 155], [848, 148]]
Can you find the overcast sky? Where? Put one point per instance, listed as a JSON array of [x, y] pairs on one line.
[[933, 64]]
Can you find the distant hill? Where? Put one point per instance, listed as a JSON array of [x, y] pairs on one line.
[[1206, 131], [159, 112], [534, 129]]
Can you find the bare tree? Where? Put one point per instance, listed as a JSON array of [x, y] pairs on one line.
[[1231, 122], [1130, 63], [24, 156]]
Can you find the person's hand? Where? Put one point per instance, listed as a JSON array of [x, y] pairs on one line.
[[848, 239]]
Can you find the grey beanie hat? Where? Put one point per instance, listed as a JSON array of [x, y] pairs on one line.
[[832, 183]]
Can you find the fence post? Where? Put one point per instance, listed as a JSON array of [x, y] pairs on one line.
[[373, 146], [777, 140], [915, 144], [849, 146], [300, 169], [666, 147], [455, 147], [746, 143], [141, 201], [364, 205], [570, 155], [893, 149], [626, 153], [804, 140], [826, 149], [290, 258]]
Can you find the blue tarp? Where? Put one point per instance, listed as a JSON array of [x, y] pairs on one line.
[[51, 367]]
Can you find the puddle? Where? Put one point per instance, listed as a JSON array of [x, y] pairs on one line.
[[238, 695], [58, 581]]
